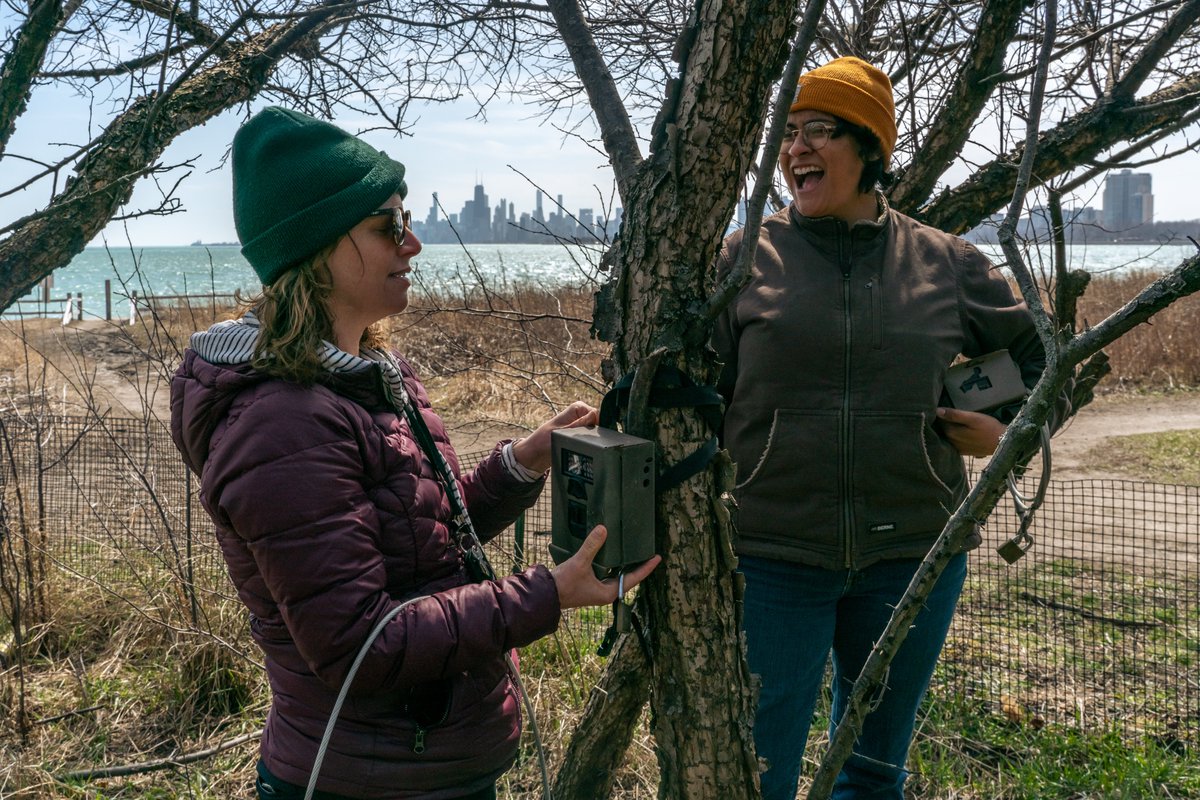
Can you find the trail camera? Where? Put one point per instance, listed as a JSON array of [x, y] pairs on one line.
[[985, 383], [600, 476]]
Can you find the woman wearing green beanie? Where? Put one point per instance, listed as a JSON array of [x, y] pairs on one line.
[[347, 527], [849, 462]]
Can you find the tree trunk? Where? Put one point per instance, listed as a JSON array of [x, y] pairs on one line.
[[597, 748], [676, 211]]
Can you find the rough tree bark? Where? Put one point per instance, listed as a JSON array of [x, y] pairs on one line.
[[23, 62], [677, 203]]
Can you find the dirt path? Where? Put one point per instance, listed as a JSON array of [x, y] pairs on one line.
[[1119, 415], [99, 358], [92, 359]]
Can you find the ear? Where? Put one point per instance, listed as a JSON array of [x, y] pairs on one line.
[[869, 154]]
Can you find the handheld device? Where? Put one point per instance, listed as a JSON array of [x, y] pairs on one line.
[[985, 383], [600, 476]]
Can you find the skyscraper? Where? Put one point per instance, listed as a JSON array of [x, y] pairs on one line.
[[1128, 200]]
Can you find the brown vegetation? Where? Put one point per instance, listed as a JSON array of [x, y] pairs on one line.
[[140, 681], [1161, 354], [510, 358], [493, 361]]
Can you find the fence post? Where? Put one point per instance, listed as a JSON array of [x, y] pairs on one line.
[[68, 311], [107, 300], [133, 307], [519, 544], [187, 532]]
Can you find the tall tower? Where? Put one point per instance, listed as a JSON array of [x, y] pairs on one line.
[[432, 218], [1128, 200]]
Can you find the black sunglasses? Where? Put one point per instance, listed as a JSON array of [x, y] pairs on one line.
[[401, 222]]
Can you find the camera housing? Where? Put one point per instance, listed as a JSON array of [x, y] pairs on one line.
[[601, 476], [986, 383]]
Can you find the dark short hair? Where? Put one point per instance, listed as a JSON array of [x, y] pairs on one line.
[[870, 150]]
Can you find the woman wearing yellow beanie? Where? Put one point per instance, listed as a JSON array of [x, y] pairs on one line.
[[848, 461]]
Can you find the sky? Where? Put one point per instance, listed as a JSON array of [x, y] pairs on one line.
[[449, 152]]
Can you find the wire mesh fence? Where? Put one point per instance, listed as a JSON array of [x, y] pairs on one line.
[[1098, 626]]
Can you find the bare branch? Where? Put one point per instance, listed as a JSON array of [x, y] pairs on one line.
[[23, 62], [163, 763], [1156, 49], [104, 178], [1079, 139], [615, 128], [959, 112]]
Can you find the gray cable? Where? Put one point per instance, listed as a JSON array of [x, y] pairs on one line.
[[362, 654], [533, 726], [1024, 504], [341, 698]]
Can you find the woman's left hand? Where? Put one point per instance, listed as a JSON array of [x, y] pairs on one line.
[[533, 452], [971, 433]]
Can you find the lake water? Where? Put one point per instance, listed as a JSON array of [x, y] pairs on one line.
[[222, 270], [201, 270]]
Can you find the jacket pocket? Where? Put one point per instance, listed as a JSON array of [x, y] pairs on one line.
[[794, 480], [907, 479]]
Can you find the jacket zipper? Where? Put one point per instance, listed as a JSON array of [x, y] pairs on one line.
[[419, 741], [844, 259]]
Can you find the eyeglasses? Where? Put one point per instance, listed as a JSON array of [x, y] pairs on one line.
[[401, 222], [816, 134]]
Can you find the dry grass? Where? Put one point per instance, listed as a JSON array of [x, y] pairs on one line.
[[491, 359], [510, 359], [1161, 354], [107, 681], [138, 684]]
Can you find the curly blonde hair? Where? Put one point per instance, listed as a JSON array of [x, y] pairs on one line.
[[295, 320]]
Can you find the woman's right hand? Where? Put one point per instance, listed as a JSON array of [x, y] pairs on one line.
[[577, 583]]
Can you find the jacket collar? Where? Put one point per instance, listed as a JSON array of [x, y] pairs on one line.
[[371, 380], [833, 228]]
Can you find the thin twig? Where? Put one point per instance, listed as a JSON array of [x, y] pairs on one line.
[[162, 763]]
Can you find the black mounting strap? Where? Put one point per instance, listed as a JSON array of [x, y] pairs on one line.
[[672, 388]]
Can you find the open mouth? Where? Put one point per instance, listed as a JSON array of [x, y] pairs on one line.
[[807, 177]]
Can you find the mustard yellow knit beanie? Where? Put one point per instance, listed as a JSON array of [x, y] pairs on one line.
[[855, 91]]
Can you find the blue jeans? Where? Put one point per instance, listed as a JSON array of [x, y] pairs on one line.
[[794, 616]]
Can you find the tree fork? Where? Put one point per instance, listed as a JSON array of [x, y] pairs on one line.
[[597, 748], [701, 695]]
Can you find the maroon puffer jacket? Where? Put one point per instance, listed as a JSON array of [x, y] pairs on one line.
[[328, 516]]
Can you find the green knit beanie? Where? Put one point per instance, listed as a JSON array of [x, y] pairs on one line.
[[300, 183]]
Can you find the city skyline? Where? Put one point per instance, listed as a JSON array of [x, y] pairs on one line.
[[1127, 214], [478, 222]]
